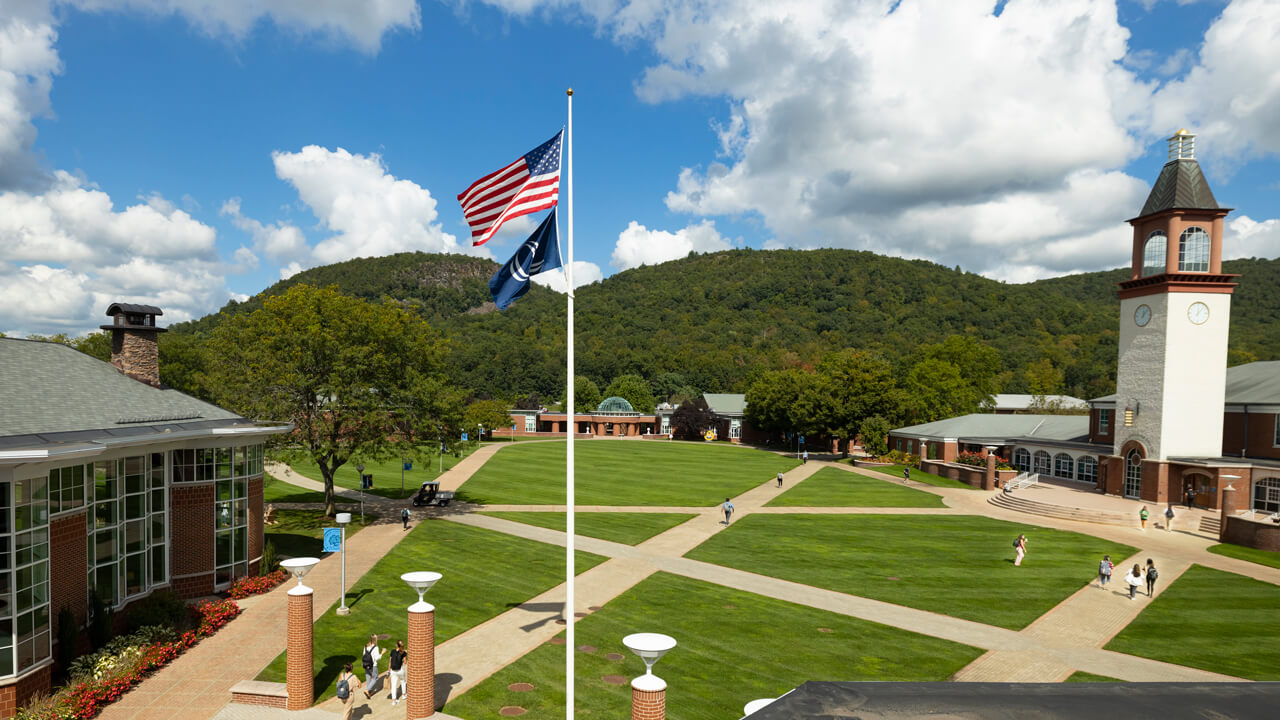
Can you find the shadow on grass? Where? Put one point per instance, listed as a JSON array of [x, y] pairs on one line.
[[444, 687], [328, 675], [353, 598], [291, 545]]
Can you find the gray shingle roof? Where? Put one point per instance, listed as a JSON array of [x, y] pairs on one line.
[[1257, 383], [1180, 185], [982, 425], [726, 403], [51, 388]]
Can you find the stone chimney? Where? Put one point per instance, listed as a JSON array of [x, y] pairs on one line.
[[135, 341]]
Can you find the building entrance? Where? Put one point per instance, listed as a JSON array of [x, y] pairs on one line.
[[1133, 475]]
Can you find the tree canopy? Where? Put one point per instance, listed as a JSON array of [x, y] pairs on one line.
[[358, 380]]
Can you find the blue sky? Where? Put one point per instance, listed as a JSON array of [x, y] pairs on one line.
[[182, 153]]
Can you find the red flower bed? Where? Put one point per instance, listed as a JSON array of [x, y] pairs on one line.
[[244, 587], [86, 698]]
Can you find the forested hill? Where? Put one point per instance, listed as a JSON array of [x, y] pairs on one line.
[[718, 319]]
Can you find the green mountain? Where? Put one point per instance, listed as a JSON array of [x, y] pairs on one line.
[[717, 320]]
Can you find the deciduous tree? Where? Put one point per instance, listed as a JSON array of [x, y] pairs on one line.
[[634, 389], [358, 380]]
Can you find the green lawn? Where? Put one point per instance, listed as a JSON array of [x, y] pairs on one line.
[[1212, 620], [830, 487], [1269, 558], [485, 574], [733, 647], [958, 565], [919, 475], [1082, 676], [623, 472], [625, 528], [300, 533], [275, 490], [386, 473]]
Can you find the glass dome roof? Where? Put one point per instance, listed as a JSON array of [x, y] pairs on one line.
[[615, 404]]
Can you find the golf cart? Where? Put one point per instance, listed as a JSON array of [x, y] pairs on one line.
[[431, 494]]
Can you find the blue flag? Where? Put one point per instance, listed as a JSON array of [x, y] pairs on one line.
[[332, 539], [538, 254]]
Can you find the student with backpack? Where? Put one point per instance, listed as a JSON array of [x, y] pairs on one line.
[[1021, 545], [347, 679], [396, 670], [1152, 574], [1104, 571], [369, 659]]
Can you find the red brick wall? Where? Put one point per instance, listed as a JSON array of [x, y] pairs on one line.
[[1238, 531], [191, 522], [68, 577], [420, 676], [299, 652], [247, 698], [17, 693], [1261, 430], [648, 704], [255, 522]]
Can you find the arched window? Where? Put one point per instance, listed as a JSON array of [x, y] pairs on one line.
[[1154, 253], [1087, 469], [1064, 466], [1266, 495], [1193, 250], [1133, 474], [1042, 464], [1022, 460]]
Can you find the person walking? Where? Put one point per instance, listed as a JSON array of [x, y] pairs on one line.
[[1134, 578], [1104, 571], [1168, 518], [1021, 545], [404, 518], [779, 479], [805, 457], [906, 474], [728, 510], [347, 683], [396, 670], [369, 659], [1143, 515], [1189, 496], [1152, 574]]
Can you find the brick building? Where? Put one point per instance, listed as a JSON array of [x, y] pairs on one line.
[[114, 483]]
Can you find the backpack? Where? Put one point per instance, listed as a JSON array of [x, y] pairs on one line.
[[1152, 574], [367, 660], [1104, 568], [344, 689], [1015, 543], [397, 659]]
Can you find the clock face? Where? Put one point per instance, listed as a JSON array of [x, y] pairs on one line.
[[1198, 313], [1142, 315]]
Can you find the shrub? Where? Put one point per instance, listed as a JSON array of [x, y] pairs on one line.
[[162, 607], [101, 620], [268, 563], [68, 635]]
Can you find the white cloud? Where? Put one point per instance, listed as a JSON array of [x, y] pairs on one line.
[[360, 22], [290, 270], [1246, 237], [584, 273], [28, 62], [638, 245], [370, 211], [279, 241], [1231, 96]]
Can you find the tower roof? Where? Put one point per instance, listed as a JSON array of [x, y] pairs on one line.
[[1182, 186]]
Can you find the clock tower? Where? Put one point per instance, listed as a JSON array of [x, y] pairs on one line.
[[1174, 315]]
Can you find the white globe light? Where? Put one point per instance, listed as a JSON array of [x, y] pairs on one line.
[[299, 567], [421, 581], [649, 646]]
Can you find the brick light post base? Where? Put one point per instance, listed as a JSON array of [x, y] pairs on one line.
[[421, 681], [298, 655], [648, 698]]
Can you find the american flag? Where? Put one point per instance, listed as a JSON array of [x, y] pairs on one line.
[[529, 184]]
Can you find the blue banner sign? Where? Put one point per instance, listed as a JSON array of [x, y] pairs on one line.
[[332, 539]]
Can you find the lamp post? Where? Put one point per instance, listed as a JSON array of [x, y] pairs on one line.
[[360, 469], [420, 688], [343, 519], [299, 684], [649, 692]]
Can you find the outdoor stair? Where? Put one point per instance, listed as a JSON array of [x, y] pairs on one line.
[[1211, 524], [1012, 501]]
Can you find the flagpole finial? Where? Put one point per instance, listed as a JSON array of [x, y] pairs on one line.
[[569, 92]]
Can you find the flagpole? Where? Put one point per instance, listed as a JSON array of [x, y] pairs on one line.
[[572, 427]]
